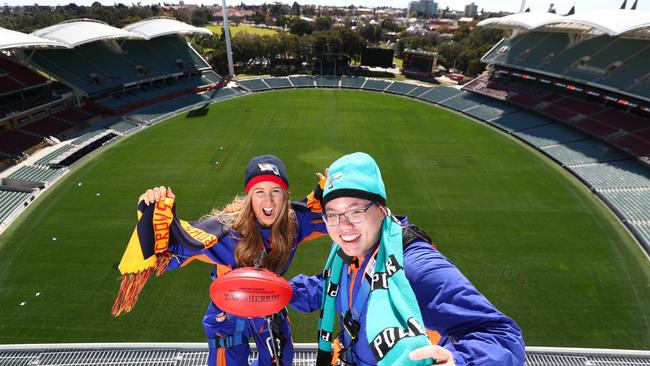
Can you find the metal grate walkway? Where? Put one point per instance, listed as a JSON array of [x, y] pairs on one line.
[[195, 354]]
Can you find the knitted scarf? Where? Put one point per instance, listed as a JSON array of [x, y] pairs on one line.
[[147, 251], [391, 334]]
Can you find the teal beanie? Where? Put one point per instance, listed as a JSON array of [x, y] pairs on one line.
[[355, 175]]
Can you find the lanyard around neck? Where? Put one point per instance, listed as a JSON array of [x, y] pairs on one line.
[[362, 295]]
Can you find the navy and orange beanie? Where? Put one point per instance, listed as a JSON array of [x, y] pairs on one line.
[[265, 168]]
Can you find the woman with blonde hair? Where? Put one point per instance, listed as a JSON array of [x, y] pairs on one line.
[[261, 229]]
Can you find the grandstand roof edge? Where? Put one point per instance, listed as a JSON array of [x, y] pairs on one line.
[[81, 31], [519, 20], [162, 26], [611, 22], [13, 39]]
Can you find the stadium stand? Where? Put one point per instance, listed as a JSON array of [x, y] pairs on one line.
[[614, 175], [96, 64], [278, 83], [621, 120], [82, 139], [36, 174], [10, 201], [400, 88], [14, 76], [73, 115], [326, 81], [47, 126], [150, 114], [417, 92], [124, 126], [14, 142], [352, 82], [583, 152], [632, 205], [212, 77], [301, 81], [551, 134], [602, 48], [491, 110], [375, 84], [254, 85], [599, 120], [222, 93], [642, 230], [464, 101], [44, 161], [596, 128], [437, 95]]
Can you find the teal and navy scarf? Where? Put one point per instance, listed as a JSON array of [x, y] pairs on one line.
[[392, 335]]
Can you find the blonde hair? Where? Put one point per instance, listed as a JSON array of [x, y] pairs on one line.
[[239, 218]]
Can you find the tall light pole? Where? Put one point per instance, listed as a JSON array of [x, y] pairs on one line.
[[226, 29], [523, 6]]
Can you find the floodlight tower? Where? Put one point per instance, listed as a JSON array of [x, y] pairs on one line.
[[226, 29]]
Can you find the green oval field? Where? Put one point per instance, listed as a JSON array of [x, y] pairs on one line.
[[524, 231]]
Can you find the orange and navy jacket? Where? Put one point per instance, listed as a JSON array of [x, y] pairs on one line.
[[161, 241], [209, 241]]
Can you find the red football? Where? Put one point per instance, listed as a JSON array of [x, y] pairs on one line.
[[250, 292]]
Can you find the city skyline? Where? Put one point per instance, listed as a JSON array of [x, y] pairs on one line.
[[561, 6]]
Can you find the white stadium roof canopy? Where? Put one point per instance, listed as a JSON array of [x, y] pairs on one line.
[[80, 31], [611, 22], [162, 26], [618, 22], [520, 20], [12, 39]]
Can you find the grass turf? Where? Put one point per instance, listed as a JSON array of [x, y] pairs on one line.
[[525, 232], [236, 29]]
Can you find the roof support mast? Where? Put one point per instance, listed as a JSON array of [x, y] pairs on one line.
[[226, 29], [523, 6]]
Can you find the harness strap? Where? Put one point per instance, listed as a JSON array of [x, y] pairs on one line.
[[350, 316]]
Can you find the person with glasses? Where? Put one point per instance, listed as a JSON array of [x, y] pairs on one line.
[[399, 300], [261, 228]]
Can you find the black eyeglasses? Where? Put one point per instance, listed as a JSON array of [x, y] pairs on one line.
[[353, 216]]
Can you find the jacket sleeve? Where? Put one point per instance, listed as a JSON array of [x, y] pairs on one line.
[[479, 334], [309, 215], [205, 240], [307, 293]]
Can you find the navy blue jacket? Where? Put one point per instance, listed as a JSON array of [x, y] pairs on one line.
[[470, 327]]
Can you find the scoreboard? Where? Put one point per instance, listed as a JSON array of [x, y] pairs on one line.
[[419, 63]]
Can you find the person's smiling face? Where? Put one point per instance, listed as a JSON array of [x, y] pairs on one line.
[[267, 199], [358, 237]]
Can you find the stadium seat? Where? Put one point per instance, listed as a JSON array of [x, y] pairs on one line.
[[400, 88], [352, 82], [254, 84], [375, 84], [278, 83], [584, 152], [438, 94]]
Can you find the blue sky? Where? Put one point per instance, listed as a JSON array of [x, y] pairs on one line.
[[562, 6]]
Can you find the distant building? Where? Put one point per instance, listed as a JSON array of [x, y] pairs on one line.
[[233, 13], [430, 8], [426, 8], [471, 10], [443, 25], [414, 7]]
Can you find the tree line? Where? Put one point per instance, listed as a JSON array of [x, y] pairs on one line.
[[287, 51]]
